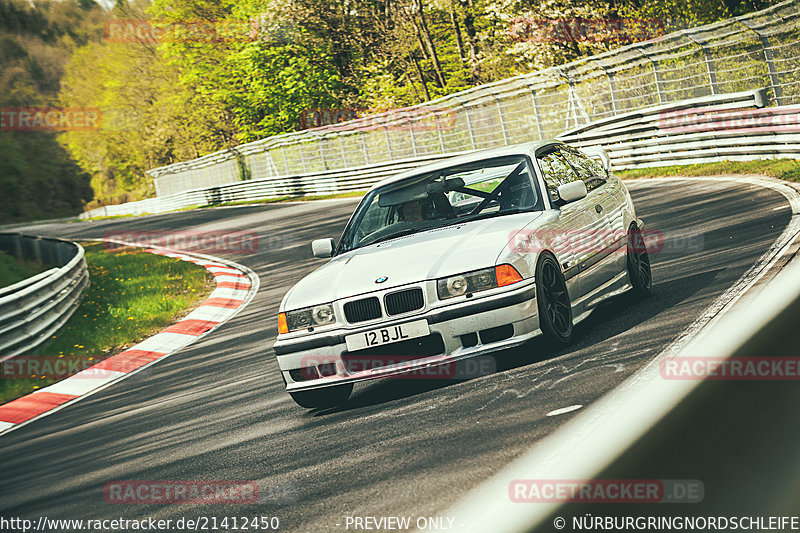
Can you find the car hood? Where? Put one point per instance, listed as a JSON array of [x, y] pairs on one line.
[[422, 256]]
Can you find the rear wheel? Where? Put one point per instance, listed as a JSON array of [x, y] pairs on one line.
[[555, 308], [322, 398], [639, 263]]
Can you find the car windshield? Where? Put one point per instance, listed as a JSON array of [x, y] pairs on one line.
[[492, 187]]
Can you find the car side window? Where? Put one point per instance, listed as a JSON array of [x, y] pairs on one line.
[[589, 170], [556, 171]]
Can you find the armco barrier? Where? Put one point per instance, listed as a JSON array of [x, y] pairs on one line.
[[723, 127], [710, 129], [33, 309], [321, 183]]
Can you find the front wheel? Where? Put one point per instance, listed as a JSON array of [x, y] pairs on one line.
[[639, 263], [322, 398], [555, 308]]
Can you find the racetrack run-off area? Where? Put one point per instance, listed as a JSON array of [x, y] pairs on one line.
[[217, 409]]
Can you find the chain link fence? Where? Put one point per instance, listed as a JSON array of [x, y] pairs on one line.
[[739, 54]]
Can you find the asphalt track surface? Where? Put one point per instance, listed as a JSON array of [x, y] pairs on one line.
[[217, 409]]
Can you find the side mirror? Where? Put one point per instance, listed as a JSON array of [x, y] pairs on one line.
[[574, 190], [322, 247]]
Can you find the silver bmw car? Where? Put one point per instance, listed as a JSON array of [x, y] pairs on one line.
[[472, 255]]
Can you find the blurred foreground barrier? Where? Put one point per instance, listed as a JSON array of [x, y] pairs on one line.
[[32, 310], [731, 438]]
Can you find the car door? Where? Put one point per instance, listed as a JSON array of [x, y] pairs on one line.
[[566, 234], [604, 258]]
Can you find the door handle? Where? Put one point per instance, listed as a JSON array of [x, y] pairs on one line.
[[598, 208]]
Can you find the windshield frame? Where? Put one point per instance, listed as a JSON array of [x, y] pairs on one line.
[[361, 209]]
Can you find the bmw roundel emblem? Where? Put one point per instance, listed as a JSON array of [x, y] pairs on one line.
[[381, 279]]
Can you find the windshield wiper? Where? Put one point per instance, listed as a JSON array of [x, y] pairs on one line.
[[479, 216], [401, 233]]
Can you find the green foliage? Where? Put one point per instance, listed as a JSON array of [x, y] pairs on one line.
[[265, 64], [38, 178]]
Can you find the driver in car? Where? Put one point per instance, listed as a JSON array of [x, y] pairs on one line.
[[412, 211]]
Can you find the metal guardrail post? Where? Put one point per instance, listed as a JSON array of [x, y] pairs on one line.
[[285, 159], [341, 145], [320, 140], [502, 120], [536, 112], [612, 88], [362, 135], [388, 141], [656, 74], [710, 68], [469, 126], [301, 149], [413, 138], [439, 131], [765, 45]]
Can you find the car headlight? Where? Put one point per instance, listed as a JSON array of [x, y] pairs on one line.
[[319, 315], [476, 281]]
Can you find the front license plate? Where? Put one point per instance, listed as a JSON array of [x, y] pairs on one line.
[[388, 335]]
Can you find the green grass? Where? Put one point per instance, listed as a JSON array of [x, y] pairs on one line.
[[13, 270], [132, 296], [785, 169]]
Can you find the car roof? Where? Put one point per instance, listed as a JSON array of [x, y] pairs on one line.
[[528, 148]]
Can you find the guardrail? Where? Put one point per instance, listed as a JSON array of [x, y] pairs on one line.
[[35, 308], [759, 50], [733, 126], [321, 183]]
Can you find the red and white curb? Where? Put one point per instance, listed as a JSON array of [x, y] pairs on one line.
[[236, 287]]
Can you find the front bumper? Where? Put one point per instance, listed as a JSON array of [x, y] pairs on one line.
[[467, 329]]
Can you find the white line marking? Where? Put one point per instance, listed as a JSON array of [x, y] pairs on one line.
[[564, 410], [234, 294], [210, 312], [223, 269], [5, 425], [232, 279], [165, 342], [77, 386]]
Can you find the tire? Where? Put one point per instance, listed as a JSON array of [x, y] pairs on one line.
[[555, 308], [322, 398], [639, 271]]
